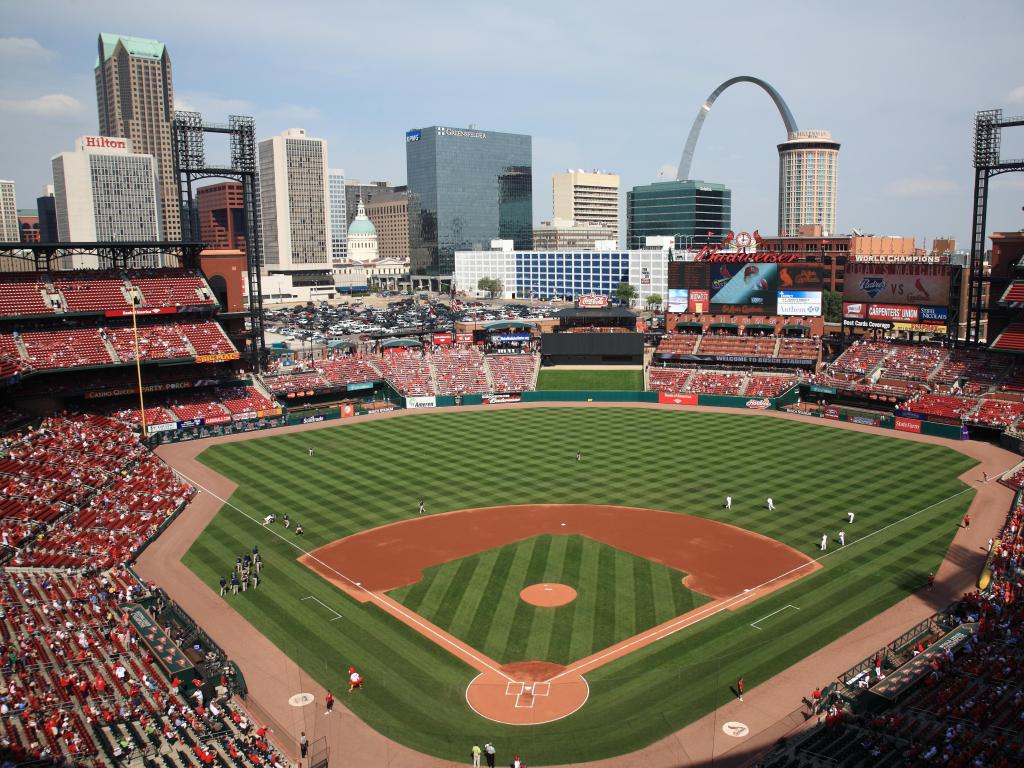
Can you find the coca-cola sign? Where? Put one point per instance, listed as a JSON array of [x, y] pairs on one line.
[[593, 301]]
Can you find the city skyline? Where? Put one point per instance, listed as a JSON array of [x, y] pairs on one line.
[[904, 118]]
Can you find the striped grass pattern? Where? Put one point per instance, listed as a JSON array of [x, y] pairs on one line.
[[619, 595], [365, 474], [590, 380]]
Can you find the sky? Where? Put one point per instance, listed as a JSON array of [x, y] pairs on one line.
[[598, 85]]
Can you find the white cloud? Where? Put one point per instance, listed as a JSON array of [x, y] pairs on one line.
[[23, 47], [50, 105], [1016, 96], [920, 187]]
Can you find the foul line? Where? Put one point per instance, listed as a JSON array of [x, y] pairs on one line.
[[388, 607], [755, 623], [336, 614], [714, 608]]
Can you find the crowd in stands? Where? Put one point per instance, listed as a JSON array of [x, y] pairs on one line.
[[93, 291], [79, 494], [413, 371], [709, 382], [967, 710], [763, 346]]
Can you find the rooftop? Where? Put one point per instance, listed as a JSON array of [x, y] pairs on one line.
[[136, 46]]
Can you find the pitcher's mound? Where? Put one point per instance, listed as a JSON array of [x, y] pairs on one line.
[[548, 595]]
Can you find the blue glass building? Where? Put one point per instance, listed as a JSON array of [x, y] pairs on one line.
[[466, 188]]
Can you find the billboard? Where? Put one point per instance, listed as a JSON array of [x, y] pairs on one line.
[[904, 424], [678, 300], [802, 275], [893, 313], [672, 398], [854, 310], [593, 301], [803, 303], [744, 288], [441, 339], [699, 300], [916, 284]]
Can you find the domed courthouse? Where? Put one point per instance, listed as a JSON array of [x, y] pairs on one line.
[[362, 238]]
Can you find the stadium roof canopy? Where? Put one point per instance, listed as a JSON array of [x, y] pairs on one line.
[[586, 313], [507, 325], [400, 343], [341, 344]]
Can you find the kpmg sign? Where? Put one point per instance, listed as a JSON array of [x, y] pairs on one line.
[[412, 136], [459, 133]]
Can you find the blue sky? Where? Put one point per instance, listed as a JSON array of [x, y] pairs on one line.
[[606, 85]]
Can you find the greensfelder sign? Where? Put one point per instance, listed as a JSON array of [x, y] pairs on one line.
[[164, 649]]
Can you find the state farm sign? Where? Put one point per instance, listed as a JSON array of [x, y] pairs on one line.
[[104, 142]]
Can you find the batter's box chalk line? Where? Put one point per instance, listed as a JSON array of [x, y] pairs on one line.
[[527, 694], [336, 614], [783, 608]]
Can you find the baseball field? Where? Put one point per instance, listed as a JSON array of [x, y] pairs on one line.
[[462, 572]]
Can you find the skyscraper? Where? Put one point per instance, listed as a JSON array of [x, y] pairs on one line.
[[808, 177], [695, 213], [356, 190], [135, 100], [587, 197], [105, 192], [466, 188], [222, 215], [9, 230], [294, 199], [389, 213], [339, 220], [47, 207]]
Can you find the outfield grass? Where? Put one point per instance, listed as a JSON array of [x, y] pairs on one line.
[[367, 473], [619, 595], [590, 380]]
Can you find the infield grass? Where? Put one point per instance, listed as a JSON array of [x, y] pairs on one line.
[[366, 473], [619, 595], [554, 379]]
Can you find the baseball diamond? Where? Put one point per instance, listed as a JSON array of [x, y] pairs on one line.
[[416, 636]]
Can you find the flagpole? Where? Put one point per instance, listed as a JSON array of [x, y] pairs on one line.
[[138, 366]]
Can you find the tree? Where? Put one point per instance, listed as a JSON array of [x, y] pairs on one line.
[[626, 293], [492, 285], [832, 306], [654, 300]]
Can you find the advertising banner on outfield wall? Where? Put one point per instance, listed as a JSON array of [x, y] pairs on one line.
[[428, 401], [673, 399], [503, 397], [678, 299], [907, 425]]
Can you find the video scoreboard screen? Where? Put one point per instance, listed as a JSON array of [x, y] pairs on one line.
[[739, 287]]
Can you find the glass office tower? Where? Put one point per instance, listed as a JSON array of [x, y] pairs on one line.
[[685, 210], [466, 188]]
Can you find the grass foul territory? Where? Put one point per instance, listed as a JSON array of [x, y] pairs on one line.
[[906, 496], [590, 380]]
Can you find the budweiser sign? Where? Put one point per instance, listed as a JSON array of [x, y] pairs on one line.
[[708, 254]]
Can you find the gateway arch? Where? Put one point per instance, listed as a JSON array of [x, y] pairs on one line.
[[683, 173]]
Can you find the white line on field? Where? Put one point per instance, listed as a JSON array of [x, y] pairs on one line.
[[755, 623], [336, 614]]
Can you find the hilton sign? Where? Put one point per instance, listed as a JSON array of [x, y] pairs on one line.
[[104, 142]]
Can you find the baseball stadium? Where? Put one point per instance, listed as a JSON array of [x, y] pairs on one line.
[[728, 531]]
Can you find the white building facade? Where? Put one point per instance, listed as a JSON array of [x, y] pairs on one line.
[[564, 274], [339, 216], [587, 197], [362, 237], [9, 230], [103, 191], [808, 180], [295, 202]]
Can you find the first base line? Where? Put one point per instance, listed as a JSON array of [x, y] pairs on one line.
[[336, 614], [755, 623]]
